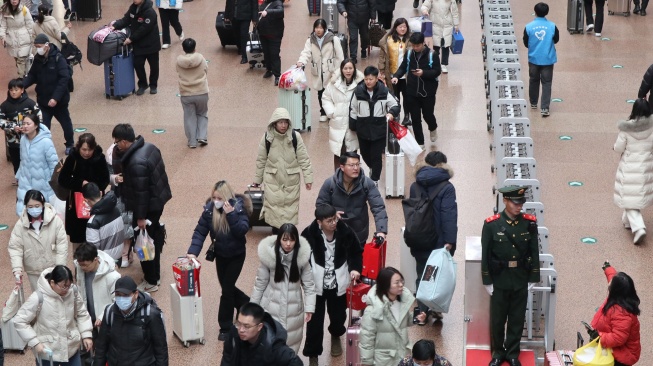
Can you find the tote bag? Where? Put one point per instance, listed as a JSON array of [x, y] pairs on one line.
[[592, 354]]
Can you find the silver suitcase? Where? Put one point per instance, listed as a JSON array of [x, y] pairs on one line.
[[394, 175], [187, 317], [298, 105], [620, 7], [10, 338], [575, 16]]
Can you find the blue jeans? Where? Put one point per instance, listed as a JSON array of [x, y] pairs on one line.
[[73, 361]]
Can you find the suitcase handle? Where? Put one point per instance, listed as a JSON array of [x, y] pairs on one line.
[[251, 187]]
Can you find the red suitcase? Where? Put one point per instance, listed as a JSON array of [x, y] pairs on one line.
[[352, 352], [357, 301], [373, 259]]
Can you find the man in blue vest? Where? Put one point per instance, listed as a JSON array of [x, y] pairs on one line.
[[540, 37]]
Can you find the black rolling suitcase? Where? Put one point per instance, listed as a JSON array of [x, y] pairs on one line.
[[225, 31], [314, 7], [344, 42], [89, 9], [256, 195]]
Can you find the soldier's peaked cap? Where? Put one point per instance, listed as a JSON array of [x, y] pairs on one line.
[[514, 193]]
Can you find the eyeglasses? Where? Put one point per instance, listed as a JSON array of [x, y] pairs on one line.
[[332, 221], [399, 283], [116, 141], [64, 287], [240, 326], [353, 165]]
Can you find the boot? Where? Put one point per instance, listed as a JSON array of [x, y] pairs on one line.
[[312, 361], [336, 347], [636, 10]]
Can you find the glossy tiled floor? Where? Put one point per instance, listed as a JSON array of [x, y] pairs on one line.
[[593, 97]]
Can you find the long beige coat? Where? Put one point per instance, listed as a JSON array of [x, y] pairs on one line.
[[335, 101], [50, 27], [60, 325], [17, 31], [633, 186], [444, 15], [279, 172], [285, 301], [322, 62], [32, 252]]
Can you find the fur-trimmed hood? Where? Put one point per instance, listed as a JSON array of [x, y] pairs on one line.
[[267, 256], [639, 128]]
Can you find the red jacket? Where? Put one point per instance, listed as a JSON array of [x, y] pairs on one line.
[[618, 330]]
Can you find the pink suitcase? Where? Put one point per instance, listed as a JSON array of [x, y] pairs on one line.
[[352, 352]]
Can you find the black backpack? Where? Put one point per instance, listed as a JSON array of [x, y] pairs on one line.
[[70, 52], [420, 232]]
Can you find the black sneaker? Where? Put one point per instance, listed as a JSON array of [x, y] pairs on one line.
[[276, 81], [141, 90], [153, 91], [268, 74], [353, 59], [243, 60], [415, 4], [363, 54], [406, 121], [222, 336]]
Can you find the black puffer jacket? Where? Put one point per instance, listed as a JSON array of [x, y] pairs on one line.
[[134, 340], [50, 74], [230, 244], [145, 188], [270, 348], [647, 86], [360, 11], [385, 6], [271, 26], [354, 204], [367, 116], [429, 62], [241, 10], [144, 26], [74, 172], [9, 110]]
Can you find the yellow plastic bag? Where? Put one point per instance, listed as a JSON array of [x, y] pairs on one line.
[[592, 354]]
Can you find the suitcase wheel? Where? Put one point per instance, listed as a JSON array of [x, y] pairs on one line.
[[186, 344], [107, 96], [202, 341], [309, 128], [610, 13], [492, 168]]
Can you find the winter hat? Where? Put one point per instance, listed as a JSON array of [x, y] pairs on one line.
[[279, 113], [41, 39]]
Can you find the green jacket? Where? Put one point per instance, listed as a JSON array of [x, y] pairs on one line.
[[497, 247]]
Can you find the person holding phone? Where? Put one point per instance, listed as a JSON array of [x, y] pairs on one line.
[[421, 66], [226, 219]]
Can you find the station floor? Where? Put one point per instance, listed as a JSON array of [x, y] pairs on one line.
[[593, 94]]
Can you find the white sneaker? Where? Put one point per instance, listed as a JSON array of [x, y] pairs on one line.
[[181, 37], [142, 285], [323, 118], [434, 135], [444, 69], [597, 34], [165, 45], [639, 236], [151, 288], [589, 27]]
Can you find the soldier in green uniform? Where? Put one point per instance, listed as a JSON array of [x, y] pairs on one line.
[[510, 268]]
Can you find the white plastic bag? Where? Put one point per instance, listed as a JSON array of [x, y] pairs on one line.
[[293, 79], [144, 246], [407, 141], [438, 282]]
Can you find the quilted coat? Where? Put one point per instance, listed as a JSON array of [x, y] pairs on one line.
[[444, 15], [50, 27], [618, 330], [38, 158], [335, 101], [279, 171], [633, 186], [384, 339], [104, 283], [60, 325], [17, 31], [323, 62], [32, 252], [285, 301]]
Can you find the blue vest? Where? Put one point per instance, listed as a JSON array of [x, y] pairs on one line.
[[541, 50]]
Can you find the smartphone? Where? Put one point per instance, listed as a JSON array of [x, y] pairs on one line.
[[416, 312], [232, 202], [344, 216], [413, 70]]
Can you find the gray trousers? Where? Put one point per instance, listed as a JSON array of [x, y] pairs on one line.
[[540, 74], [196, 117]]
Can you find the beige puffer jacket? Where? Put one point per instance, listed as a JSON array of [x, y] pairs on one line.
[[192, 71], [279, 171], [50, 28], [322, 62], [31, 252], [384, 339], [60, 325], [104, 283], [335, 101], [286, 301], [633, 185], [17, 30], [444, 15]]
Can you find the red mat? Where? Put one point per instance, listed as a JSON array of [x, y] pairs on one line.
[[482, 357]]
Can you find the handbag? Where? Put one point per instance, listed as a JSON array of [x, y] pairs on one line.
[[82, 209], [61, 192], [13, 303], [592, 354], [458, 42]]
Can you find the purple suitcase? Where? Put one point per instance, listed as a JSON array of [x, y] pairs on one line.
[[352, 352]]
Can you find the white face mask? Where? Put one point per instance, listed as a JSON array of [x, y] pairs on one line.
[[218, 204], [41, 51]]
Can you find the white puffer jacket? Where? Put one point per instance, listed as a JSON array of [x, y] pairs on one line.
[[17, 31], [323, 62], [384, 339], [633, 185], [335, 101], [60, 325], [444, 15], [285, 301], [32, 252], [104, 283]]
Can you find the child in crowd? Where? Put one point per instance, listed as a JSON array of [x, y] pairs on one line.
[[12, 111]]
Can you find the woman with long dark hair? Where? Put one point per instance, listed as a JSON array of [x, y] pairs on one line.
[[394, 46], [16, 29], [226, 220], [389, 313], [616, 322], [284, 284], [85, 164], [633, 185]]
